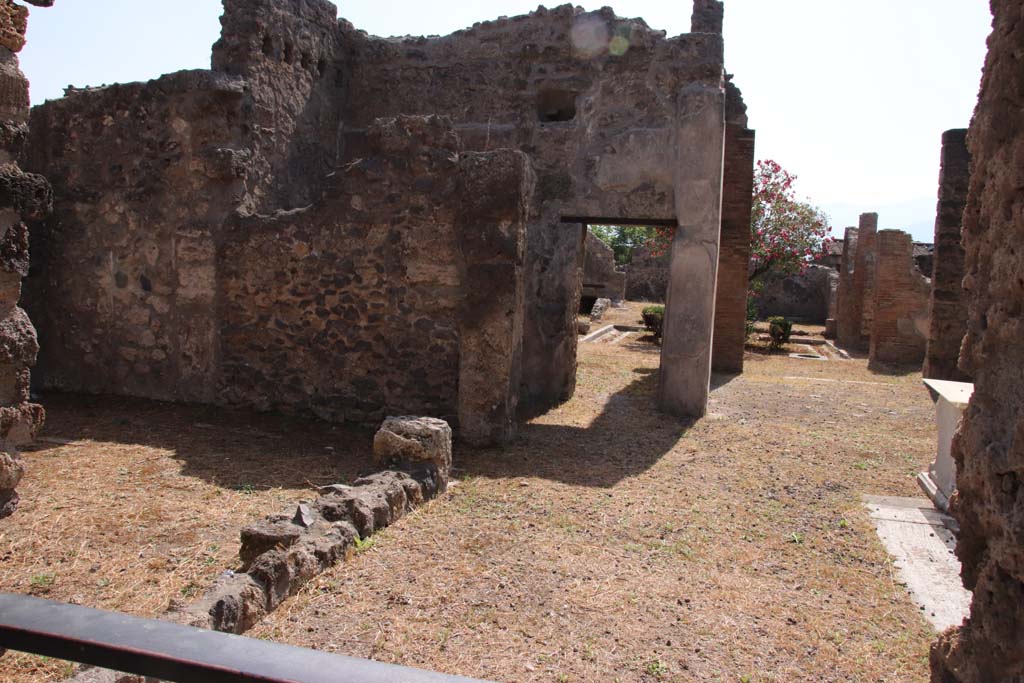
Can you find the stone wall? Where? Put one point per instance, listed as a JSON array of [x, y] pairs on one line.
[[174, 197], [989, 445], [804, 296], [948, 305], [862, 310], [591, 97], [899, 325], [601, 279], [647, 276], [23, 197]]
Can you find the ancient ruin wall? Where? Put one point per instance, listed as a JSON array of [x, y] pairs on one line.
[[647, 276], [948, 305], [398, 307], [122, 286], [23, 197], [589, 96], [847, 322], [989, 446], [899, 329], [287, 52]]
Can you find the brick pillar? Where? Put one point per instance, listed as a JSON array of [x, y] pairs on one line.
[[899, 327], [864, 276], [948, 305], [734, 250], [847, 324]]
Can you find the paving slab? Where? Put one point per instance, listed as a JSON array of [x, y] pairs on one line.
[[921, 543]]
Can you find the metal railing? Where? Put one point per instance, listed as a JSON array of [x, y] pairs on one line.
[[172, 652]]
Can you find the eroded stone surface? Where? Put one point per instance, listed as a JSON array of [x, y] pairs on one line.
[[989, 446]]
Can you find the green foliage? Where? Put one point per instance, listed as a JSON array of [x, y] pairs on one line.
[[779, 330], [751, 313], [623, 239], [654, 318]]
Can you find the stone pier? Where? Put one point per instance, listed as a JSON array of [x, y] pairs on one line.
[[685, 372], [864, 279], [948, 305]]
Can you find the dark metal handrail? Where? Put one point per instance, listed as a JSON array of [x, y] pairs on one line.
[[172, 652]]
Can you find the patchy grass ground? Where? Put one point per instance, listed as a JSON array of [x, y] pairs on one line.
[[144, 504], [612, 543]]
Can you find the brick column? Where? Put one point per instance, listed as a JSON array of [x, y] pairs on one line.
[[734, 251], [948, 305], [899, 325], [847, 325], [864, 277]]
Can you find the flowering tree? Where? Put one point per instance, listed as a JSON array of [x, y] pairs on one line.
[[785, 234]]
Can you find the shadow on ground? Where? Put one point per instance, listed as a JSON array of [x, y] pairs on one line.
[[626, 439], [235, 449]]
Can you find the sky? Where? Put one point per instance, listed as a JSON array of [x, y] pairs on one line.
[[852, 96]]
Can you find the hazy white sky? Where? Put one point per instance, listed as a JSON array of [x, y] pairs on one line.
[[851, 95]]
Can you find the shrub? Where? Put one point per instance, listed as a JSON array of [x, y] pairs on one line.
[[751, 314], [779, 330], [654, 317]]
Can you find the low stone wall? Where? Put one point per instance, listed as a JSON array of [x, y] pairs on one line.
[[989, 445], [948, 305], [899, 329]]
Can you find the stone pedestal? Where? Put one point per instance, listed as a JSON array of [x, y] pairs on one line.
[[951, 399]]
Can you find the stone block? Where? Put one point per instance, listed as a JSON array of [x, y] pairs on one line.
[[12, 469], [414, 441]]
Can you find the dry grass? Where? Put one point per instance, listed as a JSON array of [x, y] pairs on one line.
[[145, 503], [612, 543], [609, 543]]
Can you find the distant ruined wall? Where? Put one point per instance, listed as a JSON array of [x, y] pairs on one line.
[[899, 329], [647, 276], [948, 306], [803, 296], [601, 279], [989, 445], [23, 197]]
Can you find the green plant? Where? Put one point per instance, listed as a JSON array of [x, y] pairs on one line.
[[363, 544], [657, 668], [779, 330], [43, 582], [751, 312], [654, 318]]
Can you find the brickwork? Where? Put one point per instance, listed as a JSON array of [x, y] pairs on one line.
[[948, 305], [864, 278], [734, 254], [847, 322], [900, 312]]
